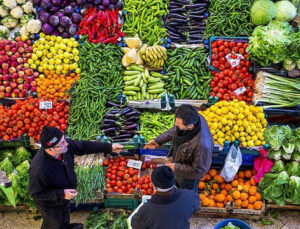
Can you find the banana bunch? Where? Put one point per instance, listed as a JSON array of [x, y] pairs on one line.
[[153, 56]]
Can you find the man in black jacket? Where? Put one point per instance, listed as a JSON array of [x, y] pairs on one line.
[[169, 208], [52, 179]]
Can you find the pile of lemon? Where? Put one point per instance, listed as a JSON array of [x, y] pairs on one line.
[[55, 53], [236, 120]]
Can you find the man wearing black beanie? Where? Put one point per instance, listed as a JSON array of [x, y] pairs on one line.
[[169, 208], [52, 179]]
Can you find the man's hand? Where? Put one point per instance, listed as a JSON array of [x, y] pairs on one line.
[[171, 165], [151, 145], [117, 148], [70, 193]]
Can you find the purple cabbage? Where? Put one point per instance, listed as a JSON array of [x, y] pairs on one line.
[[56, 2], [60, 14], [47, 29], [68, 10], [46, 4], [65, 21], [81, 2], [76, 18], [73, 29], [106, 3], [44, 16], [54, 20], [54, 9], [55, 32], [65, 35], [60, 28]]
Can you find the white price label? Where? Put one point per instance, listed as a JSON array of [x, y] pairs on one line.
[[240, 90], [45, 105], [134, 164], [234, 59]]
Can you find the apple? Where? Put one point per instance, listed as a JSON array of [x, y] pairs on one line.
[[5, 83], [7, 48], [14, 50], [13, 85], [26, 65], [21, 95], [15, 76], [16, 91], [24, 91], [20, 87], [7, 95], [21, 73], [9, 53], [36, 74], [2, 88], [12, 70], [2, 94], [29, 72], [21, 50], [8, 89], [20, 60], [17, 54], [33, 84], [5, 66]]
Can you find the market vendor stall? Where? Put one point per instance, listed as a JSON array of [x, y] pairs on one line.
[[115, 71]]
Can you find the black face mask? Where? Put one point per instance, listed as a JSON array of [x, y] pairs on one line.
[[182, 132]]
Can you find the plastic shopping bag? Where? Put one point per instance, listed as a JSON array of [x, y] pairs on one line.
[[262, 165], [232, 164]]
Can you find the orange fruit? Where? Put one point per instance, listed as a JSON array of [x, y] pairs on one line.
[[228, 187], [205, 201], [252, 199], [220, 198], [236, 195], [244, 196], [252, 190], [257, 205], [201, 185], [201, 196], [229, 198], [241, 174], [208, 177], [212, 197], [212, 172], [223, 186], [250, 206], [219, 179], [246, 188], [224, 192], [211, 203], [258, 196], [252, 181], [248, 173], [220, 205], [241, 181], [215, 186], [238, 202], [234, 183], [245, 203]]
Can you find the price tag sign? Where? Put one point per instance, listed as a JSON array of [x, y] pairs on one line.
[[45, 105], [234, 59], [134, 164], [240, 90]]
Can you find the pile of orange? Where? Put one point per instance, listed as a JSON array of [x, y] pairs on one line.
[[54, 86], [215, 192]]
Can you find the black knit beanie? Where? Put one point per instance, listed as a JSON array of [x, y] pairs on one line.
[[163, 177], [50, 136]]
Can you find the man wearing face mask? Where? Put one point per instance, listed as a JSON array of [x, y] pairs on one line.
[[192, 146], [52, 179]]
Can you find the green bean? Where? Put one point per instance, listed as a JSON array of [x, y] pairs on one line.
[[229, 18]]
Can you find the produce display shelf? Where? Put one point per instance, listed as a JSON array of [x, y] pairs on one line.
[[214, 212], [288, 206], [235, 39], [5, 208], [248, 214], [23, 141]]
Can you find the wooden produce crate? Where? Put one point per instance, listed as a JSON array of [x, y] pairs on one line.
[[248, 214], [288, 206], [214, 212], [5, 208]]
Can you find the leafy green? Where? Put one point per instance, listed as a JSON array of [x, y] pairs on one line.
[[274, 154], [262, 12], [275, 135], [21, 155], [296, 156], [296, 133], [278, 167], [6, 166], [285, 11], [9, 193], [294, 190], [292, 168], [269, 44]]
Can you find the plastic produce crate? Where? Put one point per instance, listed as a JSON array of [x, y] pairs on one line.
[[286, 111], [23, 141], [129, 204], [235, 39]]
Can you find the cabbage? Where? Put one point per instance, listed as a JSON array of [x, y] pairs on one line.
[[296, 134], [21, 155], [275, 135], [294, 190], [262, 12], [292, 168], [285, 11], [274, 154], [6, 166], [296, 156], [278, 167]]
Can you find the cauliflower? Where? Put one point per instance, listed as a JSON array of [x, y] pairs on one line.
[[33, 26], [4, 32], [26, 19], [9, 22], [17, 12], [21, 1], [10, 3], [3, 11], [28, 7], [23, 31]]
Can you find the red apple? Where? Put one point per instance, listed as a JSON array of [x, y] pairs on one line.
[[20, 87], [5, 83], [16, 91], [29, 72], [5, 66], [33, 84], [7, 48], [8, 89], [2, 88], [2, 94], [26, 65], [13, 85], [12, 70], [20, 60], [15, 75], [21, 73]]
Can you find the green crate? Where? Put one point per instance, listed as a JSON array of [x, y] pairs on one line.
[[24, 141], [129, 204]]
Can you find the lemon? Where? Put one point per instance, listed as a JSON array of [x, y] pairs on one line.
[[59, 67], [47, 46], [229, 123], [45, 52], [241, 129], [68, 49], [65, 41], [260, 116], [66, 67], [263, 142], [230, 116], [58, 39], [259, 135], [71, 56], [66, 55], [220, 134], [215, 137], [258, 143], [62, 46], [48, 37], [232, 138], [60, 51], [69, 43], [49, 55], [75, 52], [227, 128], [52, 61], [42, 35], [244, 144], [239, 122], [242, 134], [37, 62], [42, 76], [76, 58], [221, 141], [77, 70], [39, 54], [248, 130], [45, 66], [51, 67], [214, 126], [66, 61], [254, 138], [240, 116], [235, 128], [248, 138], [40, 47], [250, 143], [42, 40], [224, 121], [58, 61], [219, 112], [227, 138], [75, 44], [53, 50], [236, 135], [51, 43], [73, 39], [33, 66], [220, 126], [30, 61], [224, 110], [243, 139]]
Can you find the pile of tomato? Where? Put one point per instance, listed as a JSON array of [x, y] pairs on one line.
[[26, 117], [226, 78], [123, 179]]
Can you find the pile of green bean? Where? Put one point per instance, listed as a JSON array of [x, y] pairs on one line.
[[189, 75], [101, 79], [154, 124], [89, 180], [145, 18], [230, 18]]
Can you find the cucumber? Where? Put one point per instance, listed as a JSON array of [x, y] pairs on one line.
[[147, 74], [131, 82], [137, 81], [156, 75], [153, 80], [157, 86], [138, 68], [131, 88], [156, 91], [133, 93], [129, 78], [131, 73]]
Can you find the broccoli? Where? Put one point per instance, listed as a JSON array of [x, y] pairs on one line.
[[26, 18]]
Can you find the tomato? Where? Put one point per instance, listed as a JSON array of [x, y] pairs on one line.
[[110, 190], [144, 167], [222, 60], [107, 175], [215, 50], [130, 191], [148, 164], [215, 64], [116, 188], [113, 176], [232, 44], [226, 44], [222, 67], [221, 48], [214, 56], [214, 44], [119, 183], [108, 185], [113, 183], [245, 45], [149, 191], [241, 51], [120, 174], [120, 191], [221, 54], [239, 44]]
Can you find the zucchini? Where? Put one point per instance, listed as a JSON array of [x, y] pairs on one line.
[[153, 80], [131, 88], [131, 73], [133, 93], [156, 91]]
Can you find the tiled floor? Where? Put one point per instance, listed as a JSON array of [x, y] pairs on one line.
[[25, 220]]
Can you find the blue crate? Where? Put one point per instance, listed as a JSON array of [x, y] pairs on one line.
[[154, 152], [293, 111], [235, 39]]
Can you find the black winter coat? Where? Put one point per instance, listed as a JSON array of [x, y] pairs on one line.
[[48, 176]]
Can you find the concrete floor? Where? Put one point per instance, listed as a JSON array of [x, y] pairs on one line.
[[27, 220]]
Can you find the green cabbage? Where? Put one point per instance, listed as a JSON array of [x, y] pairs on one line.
[[293, 191], [274, 154], [278, 167], [285, 11], [262, 12], [296, 133], [21, 155], [292, 168], [275, 135], [6, 166], [296, 156]]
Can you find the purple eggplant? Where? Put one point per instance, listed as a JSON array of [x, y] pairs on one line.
[[179, 10], [106, 126], [133, 118], [125, 111], [132, 113], [132, 127], [111, 116], [111, 104], [122, 136], [110, 121], [190, 7], [55, 32]]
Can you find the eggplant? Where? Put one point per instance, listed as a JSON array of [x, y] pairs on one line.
[[129, 123], [132, 113], [131, 127], [174, 15], [197, 23], [122, 136], [199, 27], [122, 140], [122, 132], [179, 10], [111, 104], [109, 121], [133, 118], [114, 111], [178, 20], [195, 37], [111, 116], [170, 24], [106, 126], [171, 29], [198, 17], [190, 7], [110, 130], [197, 13], [125, 111], [174, 34], [198, 9]]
